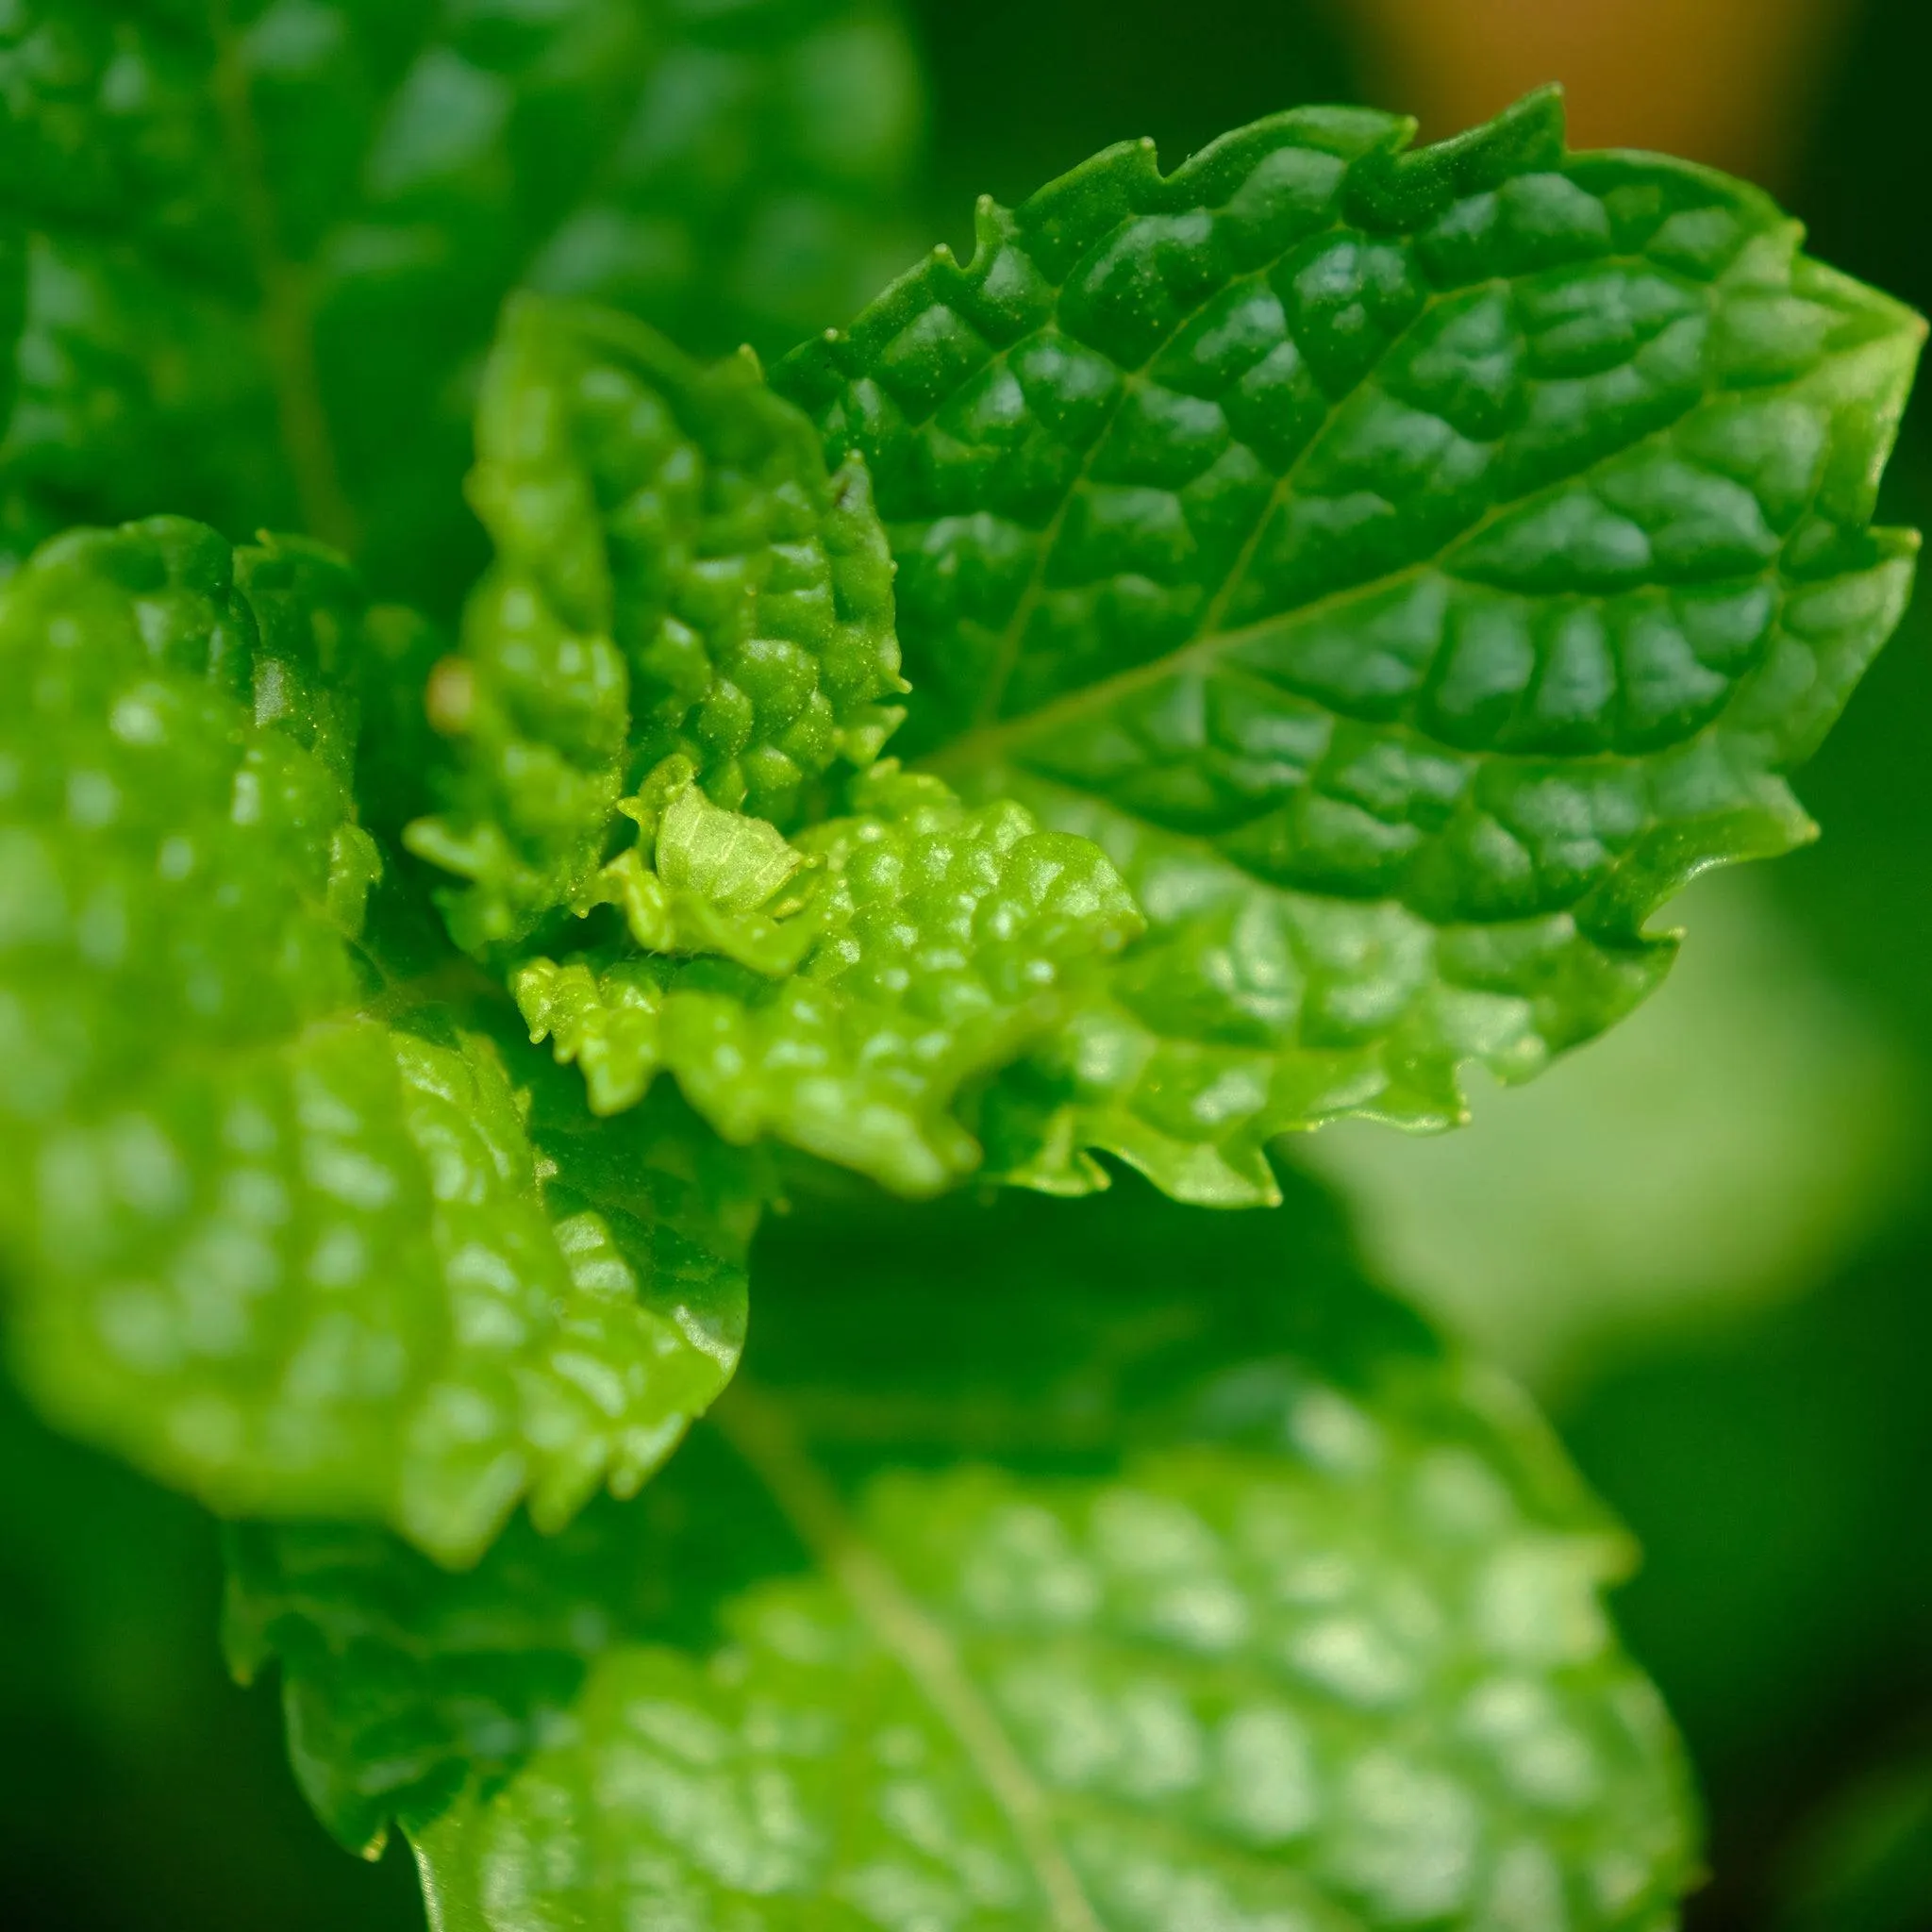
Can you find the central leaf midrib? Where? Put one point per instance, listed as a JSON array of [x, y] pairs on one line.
[[983, 742], [759, 1427], [285, 322], [1202, 843], [1014, 636]]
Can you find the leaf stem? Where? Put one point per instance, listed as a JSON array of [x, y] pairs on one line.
[[287, 319], [757, 1427]]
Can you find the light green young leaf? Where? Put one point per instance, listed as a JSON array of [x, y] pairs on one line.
[[253, 247], [1412, 569], [1253, 1607], [282, 1234], [702, 880], [677, 576], [931, 945], [722, 859]]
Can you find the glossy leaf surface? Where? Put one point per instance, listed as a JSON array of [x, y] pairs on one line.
[[283, 1230], [926, 946], [1411, 568], [254, 245], [1253, 1607], [677, 576]]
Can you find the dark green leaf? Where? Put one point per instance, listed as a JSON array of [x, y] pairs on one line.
[[1254, 1607], [1410, 569], [1867, 1865], [253, 247], [283, 1230]]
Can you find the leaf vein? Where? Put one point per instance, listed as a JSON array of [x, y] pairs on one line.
[[757, 1427], [287, 322], [975, 747]]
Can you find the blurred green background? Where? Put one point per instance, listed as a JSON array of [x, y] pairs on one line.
[[1718, 1281]]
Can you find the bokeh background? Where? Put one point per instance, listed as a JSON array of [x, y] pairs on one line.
[[1706, 1244]]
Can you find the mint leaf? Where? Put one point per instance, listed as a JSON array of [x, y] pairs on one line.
[[289, 1232], [702, 880], [931, 945], [1760, 1122], [686, 603], [1251, 1607], [1410, 569], [677, 576], [254, 246]]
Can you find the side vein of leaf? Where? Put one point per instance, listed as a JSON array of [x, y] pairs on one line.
[[287, 324], [1006, 658], [1208, 853], [759, 1428], [1014, 636], [974, 749], [1237, 572]]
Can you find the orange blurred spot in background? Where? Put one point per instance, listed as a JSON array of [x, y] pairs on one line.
[[1732, 82]]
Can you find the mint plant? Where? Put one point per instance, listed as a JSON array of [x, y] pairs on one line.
[[883, 855], [257, 248]]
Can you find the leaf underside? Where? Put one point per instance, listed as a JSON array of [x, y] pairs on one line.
[[1255, 1612], [287, 1233], [1409, 568]]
